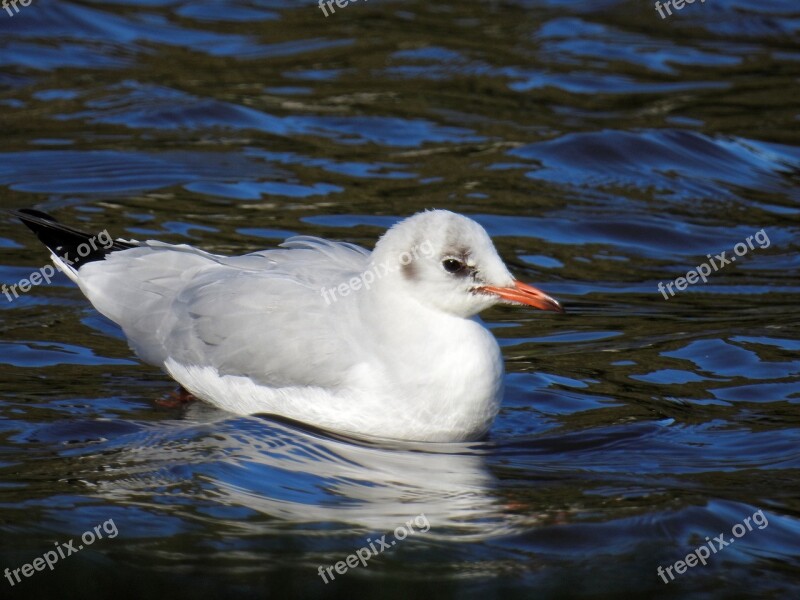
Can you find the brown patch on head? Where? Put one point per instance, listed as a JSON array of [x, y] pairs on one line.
[[409, 270]]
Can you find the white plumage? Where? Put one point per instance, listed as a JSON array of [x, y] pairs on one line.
[[284, 331]]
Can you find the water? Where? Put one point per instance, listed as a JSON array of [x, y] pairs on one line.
[[604, 148]]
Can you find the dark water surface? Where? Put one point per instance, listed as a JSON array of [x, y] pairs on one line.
[[604, 148]]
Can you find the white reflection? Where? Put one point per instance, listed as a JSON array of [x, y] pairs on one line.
[[304, 478]]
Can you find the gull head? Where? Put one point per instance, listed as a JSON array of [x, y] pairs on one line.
[[447, 262]]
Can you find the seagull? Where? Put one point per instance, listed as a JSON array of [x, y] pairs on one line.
[[381, 344]]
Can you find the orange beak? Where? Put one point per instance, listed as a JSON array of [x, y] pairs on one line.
[[522, 293]]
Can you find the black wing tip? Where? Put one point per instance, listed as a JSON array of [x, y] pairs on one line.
[[26, 213], [72, 245]]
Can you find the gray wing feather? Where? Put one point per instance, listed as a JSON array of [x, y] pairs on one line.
[[248, 315]]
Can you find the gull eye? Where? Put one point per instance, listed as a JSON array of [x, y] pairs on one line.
[[451, 265]]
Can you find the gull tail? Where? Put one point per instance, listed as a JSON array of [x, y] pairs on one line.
[[70, 248]]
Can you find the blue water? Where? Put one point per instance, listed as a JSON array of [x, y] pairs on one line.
[[605, 149]]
